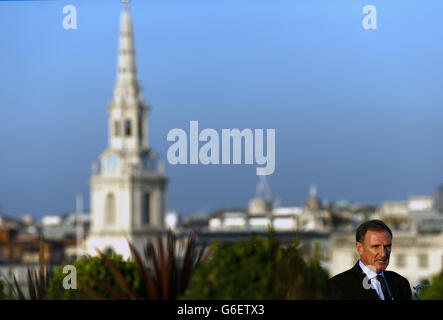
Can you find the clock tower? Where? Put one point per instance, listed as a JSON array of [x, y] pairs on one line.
[[128, 190]]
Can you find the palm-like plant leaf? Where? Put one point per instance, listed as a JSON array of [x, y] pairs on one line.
[[37, 282], [187, 262], [32, 290], [167, 282], [118, 276], [19, 292], [160, 266], [151, 290], [89, 293]]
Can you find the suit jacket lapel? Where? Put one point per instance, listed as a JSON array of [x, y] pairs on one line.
[[369, 294], [391, 286]]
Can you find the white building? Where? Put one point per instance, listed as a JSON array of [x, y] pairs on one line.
[[401, 209], [260, 215], [421, 203], [128, 192], [417, 213], [59, 227], [394, 209]]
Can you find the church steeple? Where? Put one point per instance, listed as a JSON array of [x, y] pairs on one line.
[[127, 83], [128, 124], [128, 192], [313, 201]]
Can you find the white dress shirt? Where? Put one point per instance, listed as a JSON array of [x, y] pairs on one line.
[[372, 276]]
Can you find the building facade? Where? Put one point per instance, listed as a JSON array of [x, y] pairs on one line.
[[260, 216]]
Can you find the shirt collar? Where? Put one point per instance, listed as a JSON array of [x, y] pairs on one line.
[[371, 274]]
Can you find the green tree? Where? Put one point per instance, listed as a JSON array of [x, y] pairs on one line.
[[299, 279], [93, 274], [435, 291], [257, 269]]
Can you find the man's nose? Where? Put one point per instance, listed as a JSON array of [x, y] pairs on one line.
[[382, 253], [385, 252]]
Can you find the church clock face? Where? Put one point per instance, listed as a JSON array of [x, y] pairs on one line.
[[111, 162]]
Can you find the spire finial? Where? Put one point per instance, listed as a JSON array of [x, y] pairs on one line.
[[313, 190], [126, 84], [263, 190]]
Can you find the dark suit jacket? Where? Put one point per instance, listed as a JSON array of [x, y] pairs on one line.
[[349, 286]]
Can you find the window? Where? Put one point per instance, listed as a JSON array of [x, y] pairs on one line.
[[401, 261], [423, 260], [110, 209], [117, 129], [128, 128], [146, 209], [140, 128]]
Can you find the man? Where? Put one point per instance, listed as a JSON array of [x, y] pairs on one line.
[[368, 279]]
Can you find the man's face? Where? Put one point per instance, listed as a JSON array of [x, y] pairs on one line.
[[375, 249]]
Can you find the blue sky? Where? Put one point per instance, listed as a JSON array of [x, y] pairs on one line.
[[358, 112]]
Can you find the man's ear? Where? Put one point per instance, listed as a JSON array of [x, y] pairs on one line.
[[359, 247]]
